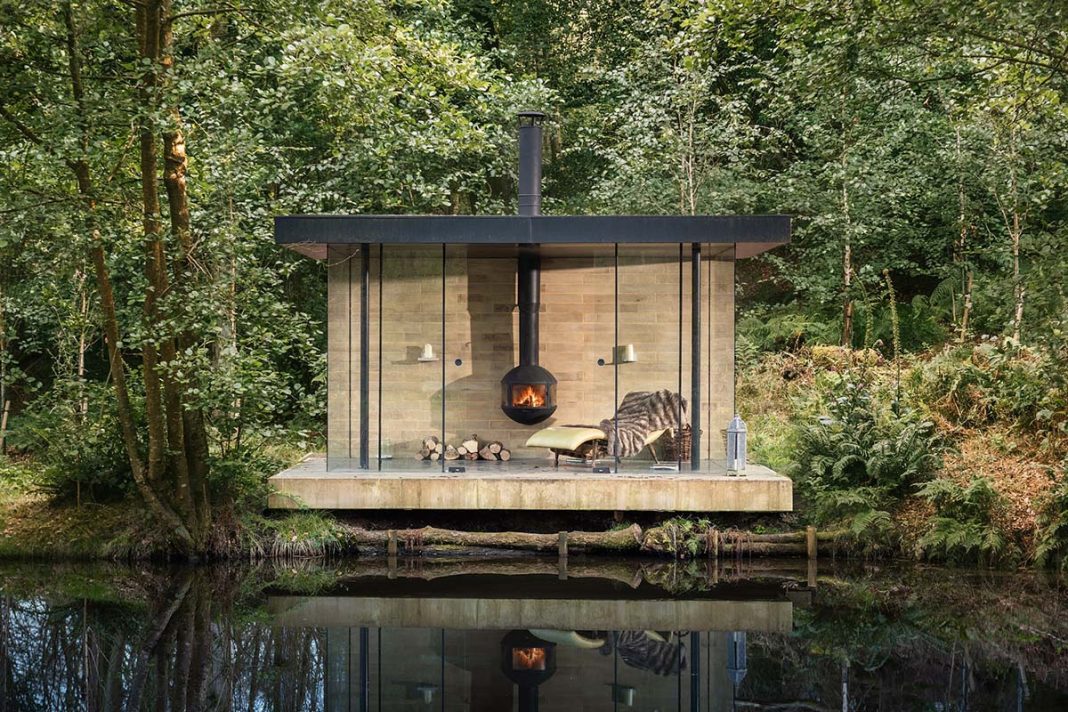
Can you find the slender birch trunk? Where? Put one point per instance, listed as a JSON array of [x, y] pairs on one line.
[[3, 374], [1012, 216], [847, 257], [960, 253]]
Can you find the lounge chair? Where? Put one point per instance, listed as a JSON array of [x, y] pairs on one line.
[[641, 419]]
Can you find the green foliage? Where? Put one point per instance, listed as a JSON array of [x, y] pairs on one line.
[[860, 444], [962, 529], [898, 147], [787, 330], [976, 386], [858, 457], [1051, 545], [74, 450], [299, 535]]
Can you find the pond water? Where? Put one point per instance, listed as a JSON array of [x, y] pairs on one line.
[[526, 634]]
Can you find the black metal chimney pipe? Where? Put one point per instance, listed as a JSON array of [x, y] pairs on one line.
[[529, 287], [530, 162], [529, 266], [528, 391]]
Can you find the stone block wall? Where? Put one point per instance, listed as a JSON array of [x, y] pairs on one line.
[[408, 287]]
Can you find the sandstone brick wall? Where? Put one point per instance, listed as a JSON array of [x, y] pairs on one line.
[[578, 325]]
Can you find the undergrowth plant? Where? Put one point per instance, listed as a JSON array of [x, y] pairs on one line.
[[1051, 539], [962, 529], [859, 456], [975, 386]]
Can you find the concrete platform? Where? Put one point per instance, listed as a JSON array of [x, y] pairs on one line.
[[504, 614], [530, 485]]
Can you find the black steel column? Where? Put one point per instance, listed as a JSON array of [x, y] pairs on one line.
[[695, 672], [615, 354], [365, 678], [365, 356], [695, 358]]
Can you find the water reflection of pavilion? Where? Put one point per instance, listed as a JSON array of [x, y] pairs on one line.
[[535, 642]]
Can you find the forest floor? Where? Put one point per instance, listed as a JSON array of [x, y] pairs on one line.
[[774, 395]]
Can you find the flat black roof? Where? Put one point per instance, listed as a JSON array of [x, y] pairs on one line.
[[750, 234]]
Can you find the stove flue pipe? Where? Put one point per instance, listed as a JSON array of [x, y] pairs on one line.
[[529, 288], [529, 263], [530, 162]]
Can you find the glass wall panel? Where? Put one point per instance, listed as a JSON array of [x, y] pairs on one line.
[[577, 328], [653, 669], [411, 351], [410, 670], [343, 351], [651, 355], [479, 301], [575, 332], [718, 367]]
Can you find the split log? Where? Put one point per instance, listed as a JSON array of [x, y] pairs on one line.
[[471, 456], [628, 539], [430, 442], [505, 455], [461, 451], [663, 540], [471, 445], [495, 447], [759, 548], [440, 448], [435, 456], [422, 454], [450, 453], [487, 454], [790, 537]]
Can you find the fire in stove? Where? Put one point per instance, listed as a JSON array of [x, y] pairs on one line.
[[528, 396], [528, 658]]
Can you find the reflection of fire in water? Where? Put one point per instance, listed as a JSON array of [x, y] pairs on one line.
[[528, 396], [528, 658]]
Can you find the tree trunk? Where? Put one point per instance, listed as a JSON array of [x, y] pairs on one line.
[[1012, 214], [847, 260], [1018, 291], [148, 25], [960, 253], [144, 480], [193, 440], [966, 309], [3, 374], [83, 344]]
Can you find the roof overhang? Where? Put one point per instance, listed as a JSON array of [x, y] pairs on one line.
[[748, 234]]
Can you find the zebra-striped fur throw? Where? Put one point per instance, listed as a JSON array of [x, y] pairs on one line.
[[641, 413]]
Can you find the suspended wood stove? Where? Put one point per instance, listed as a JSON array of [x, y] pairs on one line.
[[528, 391], [528, 661]]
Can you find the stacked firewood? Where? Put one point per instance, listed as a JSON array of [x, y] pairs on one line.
[[470, 449]]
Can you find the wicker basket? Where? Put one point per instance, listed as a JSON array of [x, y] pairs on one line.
[[679, 443]]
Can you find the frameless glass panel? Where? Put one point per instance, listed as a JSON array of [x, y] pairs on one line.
[[476, 297], [411, 670], [717, 370], [653, 669], [576, 333], [502, 385], [343, 352], [409, 426], [652, 359]]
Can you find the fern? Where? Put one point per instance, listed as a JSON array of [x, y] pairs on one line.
[[962, 528], [1051, 540]]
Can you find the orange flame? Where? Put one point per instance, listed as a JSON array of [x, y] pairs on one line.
[[528, 658], [528, 397]]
